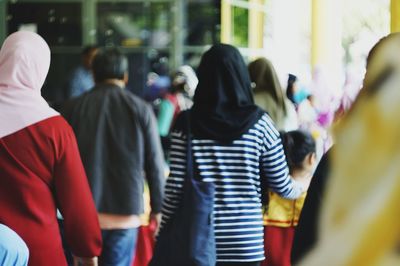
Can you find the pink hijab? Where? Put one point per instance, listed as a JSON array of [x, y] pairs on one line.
[[24, 63]]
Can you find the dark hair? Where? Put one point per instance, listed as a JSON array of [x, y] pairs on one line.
[[89, 48], [109, 64], [289, 89], [297, 145]]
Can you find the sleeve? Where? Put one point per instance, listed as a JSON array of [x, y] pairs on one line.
[[165, 116], [174, 186], [154, 161], [274, 168], [75, 200], [306, 233]]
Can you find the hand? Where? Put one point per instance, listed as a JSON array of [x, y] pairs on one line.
[[155, 221], [79, 261]]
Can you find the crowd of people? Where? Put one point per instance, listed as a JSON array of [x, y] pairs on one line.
[[73, 180]]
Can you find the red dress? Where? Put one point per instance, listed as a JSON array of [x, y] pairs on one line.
[[41, 170]]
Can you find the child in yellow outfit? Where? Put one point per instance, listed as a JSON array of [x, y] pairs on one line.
[[282, 215]]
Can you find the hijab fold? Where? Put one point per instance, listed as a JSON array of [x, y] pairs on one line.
[[223, 107], [24, 64]]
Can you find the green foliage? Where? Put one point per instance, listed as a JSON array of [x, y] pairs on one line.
[[240, 26]]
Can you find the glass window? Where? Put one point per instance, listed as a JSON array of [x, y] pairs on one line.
[[58, 23], [134, 24], [240, 26], [203, 19]]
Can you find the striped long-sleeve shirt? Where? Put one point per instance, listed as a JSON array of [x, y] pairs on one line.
[[236, 169]]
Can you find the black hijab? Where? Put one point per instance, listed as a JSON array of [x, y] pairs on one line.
[[223, 107]]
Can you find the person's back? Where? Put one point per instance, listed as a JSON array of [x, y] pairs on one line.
[[235, 168], [236, 147], [120, 148], [40, 167]]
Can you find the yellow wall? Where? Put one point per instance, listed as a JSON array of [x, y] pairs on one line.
[[395, 16]]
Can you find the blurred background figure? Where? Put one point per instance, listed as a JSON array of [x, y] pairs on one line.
[[359, 222], [81, 78], [282, 215], [326, 98], [40, 166], [294, 92], [13, 250], [158, 81], [306, 234], [179, 98], [351, 88], [268, 95]]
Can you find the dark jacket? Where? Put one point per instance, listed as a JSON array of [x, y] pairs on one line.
[[306, 234], [120, 147]]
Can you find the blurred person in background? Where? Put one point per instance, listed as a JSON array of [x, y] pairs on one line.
[[178, 99], [359, 222], [326, 98], [81, 78], [294, 92], [40, 166], [268, 95], [158, 81], [306, 233], [120, 148]]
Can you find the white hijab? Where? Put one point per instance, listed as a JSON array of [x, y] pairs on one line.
[[24, 63]]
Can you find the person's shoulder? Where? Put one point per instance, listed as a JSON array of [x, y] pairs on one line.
[[265, 120], [141, 104], [68, 105], [267, 127], [53, 127]]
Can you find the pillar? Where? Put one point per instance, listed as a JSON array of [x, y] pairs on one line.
[[178, 33], [326, 38], [226, 22], [89, 29], [395, 16], [256, 24]]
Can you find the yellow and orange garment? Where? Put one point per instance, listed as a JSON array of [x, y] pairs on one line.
[[283, 212]]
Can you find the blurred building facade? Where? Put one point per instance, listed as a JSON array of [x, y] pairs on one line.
[[297, 35]]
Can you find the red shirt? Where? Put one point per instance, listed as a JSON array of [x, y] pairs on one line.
[[41, 170]]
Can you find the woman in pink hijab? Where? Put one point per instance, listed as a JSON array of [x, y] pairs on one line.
[[40, 166]]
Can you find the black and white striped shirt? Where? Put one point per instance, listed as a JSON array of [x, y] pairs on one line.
[[236, 169]]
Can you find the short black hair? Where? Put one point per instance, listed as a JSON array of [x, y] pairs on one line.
[[289, 89], [297, 145], [109, 64]]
